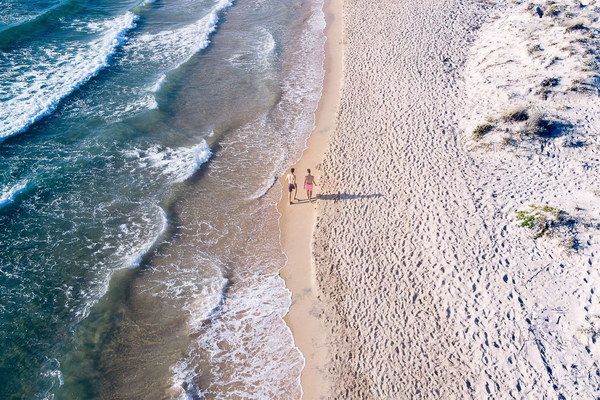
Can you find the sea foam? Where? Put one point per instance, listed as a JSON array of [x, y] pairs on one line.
[[258, 54], [9, 194], [53, 73], [171, 49], [177, 164], [134, 260]]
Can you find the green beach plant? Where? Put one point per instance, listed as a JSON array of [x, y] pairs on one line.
[[534, 49], [481, 130], [540, 219]]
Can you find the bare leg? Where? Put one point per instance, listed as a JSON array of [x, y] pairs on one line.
[[290, 197]]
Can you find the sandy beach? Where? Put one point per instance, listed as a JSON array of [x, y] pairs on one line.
[[298, 220], [452, 250]]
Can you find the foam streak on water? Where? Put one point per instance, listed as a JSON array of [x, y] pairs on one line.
[[54, 73], [134, 260], [246, 347], [177, 164], [181, 43], [9, 194]]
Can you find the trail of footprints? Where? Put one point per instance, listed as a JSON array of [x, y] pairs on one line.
[[426, 286]]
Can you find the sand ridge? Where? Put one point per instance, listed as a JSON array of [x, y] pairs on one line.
[[428, 287]]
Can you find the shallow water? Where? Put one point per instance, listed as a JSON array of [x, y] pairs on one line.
[[140, 250]]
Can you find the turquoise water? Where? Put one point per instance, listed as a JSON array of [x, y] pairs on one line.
[[122, 124]]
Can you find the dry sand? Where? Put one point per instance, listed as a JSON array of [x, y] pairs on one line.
[[427, 287]]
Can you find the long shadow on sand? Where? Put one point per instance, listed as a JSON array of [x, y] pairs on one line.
[[347, 196]]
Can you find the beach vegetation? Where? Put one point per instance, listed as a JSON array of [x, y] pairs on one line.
[[554, 10], [534, 49], [575, 25], [540, 219], [553, 61], [593, 329], [516, 114], [575, 84], [550, 82], [481, 130], [538, 124], [508, 141], [579, 85], [568, 243], [590, 65]]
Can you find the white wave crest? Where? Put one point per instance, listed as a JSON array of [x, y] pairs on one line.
[[178, 164], [9, 194], [158, 84], [134, 260], [258, 54], [53, 73], [171, 49], [264, 188]]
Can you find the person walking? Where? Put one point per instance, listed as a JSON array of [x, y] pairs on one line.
[[309, 183], [291, 181]]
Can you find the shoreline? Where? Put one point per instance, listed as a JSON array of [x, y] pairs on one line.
[[297, 221]]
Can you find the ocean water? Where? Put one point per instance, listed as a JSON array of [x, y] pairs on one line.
[[140, 143]]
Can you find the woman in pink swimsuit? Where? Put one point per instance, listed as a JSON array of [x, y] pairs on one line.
[[309, 183]]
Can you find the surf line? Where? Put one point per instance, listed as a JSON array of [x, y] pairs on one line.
[[109, 44]]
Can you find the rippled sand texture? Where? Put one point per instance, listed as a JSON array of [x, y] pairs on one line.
[[430, 288]]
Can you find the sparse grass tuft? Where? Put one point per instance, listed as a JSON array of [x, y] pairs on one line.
[[549, 82], [575, 25], [553, 61], [481, 130], [507, 141], [593, 329], [554, 10], [590, 65], [516, 114], [534, 48], [578, 85], [537, 124], [540, 219], [568, 243]]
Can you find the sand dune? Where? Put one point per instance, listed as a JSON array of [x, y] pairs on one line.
[[429, 286]]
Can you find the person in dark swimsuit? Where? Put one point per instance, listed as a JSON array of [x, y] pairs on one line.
[[291, 181]]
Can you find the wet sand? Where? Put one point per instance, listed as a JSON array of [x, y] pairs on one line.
[[298, 221]]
